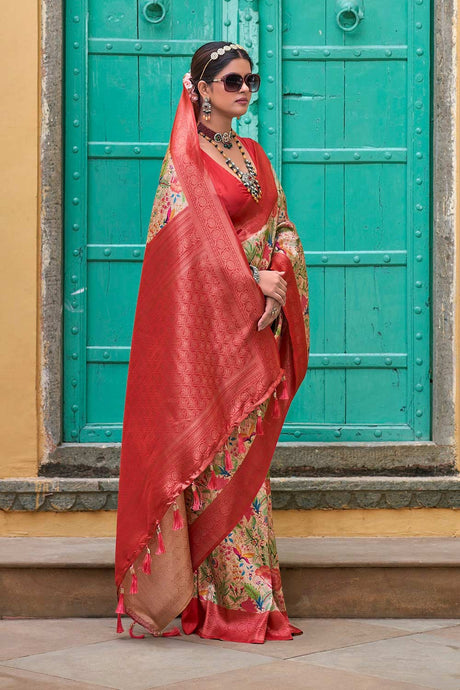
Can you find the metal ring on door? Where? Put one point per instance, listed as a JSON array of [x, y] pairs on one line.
[[349, 14], [154, 12]]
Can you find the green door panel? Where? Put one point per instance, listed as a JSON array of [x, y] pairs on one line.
[[344, 117], [123, 79]]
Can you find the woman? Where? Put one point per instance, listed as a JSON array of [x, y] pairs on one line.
[[220, 346]]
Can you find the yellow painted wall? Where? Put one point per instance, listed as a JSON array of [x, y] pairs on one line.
[[18, 219], [457, 235], [19, 290], [406, 522]]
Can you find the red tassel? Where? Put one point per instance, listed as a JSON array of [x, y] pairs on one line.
[[228, 460], [178, 523], [241, 446], [259, 427], [276, 407], [147, 563], [161, 545], [212, 485], [196, 498], [119, 610], [121, 602], [171, 633], [133, 589], [284, 392], [131, 634]]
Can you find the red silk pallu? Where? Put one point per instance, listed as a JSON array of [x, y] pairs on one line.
[[198, 368]]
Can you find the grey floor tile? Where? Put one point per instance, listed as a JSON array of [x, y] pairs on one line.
[[22, 637], [320, 634], [14, 679], [287, 675], [127, 664], [344, 654], [413, 659], [444, 635], [413, 624]]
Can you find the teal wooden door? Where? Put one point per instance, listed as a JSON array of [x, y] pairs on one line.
[[344, 116]]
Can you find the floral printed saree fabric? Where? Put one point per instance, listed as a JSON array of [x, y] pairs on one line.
[[206, 398]]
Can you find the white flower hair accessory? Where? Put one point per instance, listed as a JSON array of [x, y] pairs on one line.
[[187, 82]]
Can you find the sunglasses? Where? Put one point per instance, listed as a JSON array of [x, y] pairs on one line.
[[234, 81]]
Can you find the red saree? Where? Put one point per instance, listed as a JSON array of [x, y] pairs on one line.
[[206, 398]]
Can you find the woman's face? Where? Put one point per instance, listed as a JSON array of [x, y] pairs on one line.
[[232, 103]]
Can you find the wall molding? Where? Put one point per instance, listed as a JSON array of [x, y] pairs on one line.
[[36, 494]]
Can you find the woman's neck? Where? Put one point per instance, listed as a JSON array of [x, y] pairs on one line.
[[218, 123]]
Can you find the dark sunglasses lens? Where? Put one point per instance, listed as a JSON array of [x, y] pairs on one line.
[[253, 82], [233, 82]]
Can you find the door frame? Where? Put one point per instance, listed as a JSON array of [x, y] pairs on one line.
[[434, 457]]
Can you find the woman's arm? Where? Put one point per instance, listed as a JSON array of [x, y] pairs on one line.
[[287, 242]]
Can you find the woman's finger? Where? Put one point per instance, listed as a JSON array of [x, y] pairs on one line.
[[281, 279], [267, 317], [263, 321], [264, 324], [280, 296]]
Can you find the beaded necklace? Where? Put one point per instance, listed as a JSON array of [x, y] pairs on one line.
[[249, 178]]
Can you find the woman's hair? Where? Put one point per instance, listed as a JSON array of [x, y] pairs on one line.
[[202, 56]]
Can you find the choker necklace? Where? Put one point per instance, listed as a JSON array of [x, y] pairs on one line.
[[249, 178], [224, 138]]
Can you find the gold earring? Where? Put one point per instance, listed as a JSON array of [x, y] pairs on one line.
[[206, 108]]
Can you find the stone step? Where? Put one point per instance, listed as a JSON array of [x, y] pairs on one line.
[[323, 577], [64, 494], [290, 459]]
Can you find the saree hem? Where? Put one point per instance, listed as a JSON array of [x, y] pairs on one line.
[[145, 624], [211, 621]]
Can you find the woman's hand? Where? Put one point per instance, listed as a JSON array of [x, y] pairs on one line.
[[273, 285], [267, 317]]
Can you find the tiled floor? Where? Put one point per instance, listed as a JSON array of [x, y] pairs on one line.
[[335, 654]]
